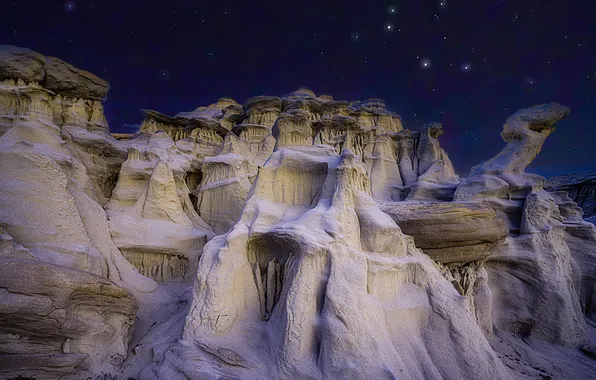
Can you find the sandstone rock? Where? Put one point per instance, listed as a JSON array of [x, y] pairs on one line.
[[372, 112], [88, 139], [299, 94], [56, 321], [337, 253], [293, 129], [52, 73], [581, 188], [21, 63], [223, 190], [262, 110], [449, 232], [530, 277], [66, 226], [580, 237], [67, 80], [424, 171], [524, 132], [151, 218], [310, 276], [8, 247], [540, 214], [178, 127], [255, 142], [436, 176], [225, 110]]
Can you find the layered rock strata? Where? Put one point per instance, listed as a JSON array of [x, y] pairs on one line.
[[581, 188], [64, 307], [292, 237]]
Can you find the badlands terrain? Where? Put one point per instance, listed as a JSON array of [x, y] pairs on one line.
[[292, 237], [581, 188]]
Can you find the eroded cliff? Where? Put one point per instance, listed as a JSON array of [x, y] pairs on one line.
[[292, 237]]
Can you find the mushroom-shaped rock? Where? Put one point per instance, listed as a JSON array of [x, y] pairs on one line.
[[262, 110], [335, 107], [302, 92], [524, 132], [342, 132], [293, 129], [372, 112], [370, 104], [504, 175], [226, 112]]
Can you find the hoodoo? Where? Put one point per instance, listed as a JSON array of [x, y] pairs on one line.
[[292, 237]]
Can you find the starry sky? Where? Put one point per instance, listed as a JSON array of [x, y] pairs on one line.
[[466, 63]]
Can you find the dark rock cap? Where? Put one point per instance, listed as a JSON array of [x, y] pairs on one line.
[[52, 73], [21, 63]]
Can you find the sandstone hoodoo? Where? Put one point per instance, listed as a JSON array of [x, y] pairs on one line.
[[292, 237]]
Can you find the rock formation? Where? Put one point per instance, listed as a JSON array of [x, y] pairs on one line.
[[580, 187], [292, 237], [62, 309]]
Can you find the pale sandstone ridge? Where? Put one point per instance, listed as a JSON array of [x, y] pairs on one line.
[[321, 262], [151, 218], [291, 237], [63, 313]]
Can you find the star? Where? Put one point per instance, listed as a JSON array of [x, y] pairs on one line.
[[355, 37], [443, 4], [466, 67], [70, 6], [392, 10], [530, 80], [388, 27], [164, 74], [425, 63]]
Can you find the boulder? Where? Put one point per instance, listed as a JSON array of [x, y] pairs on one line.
[[52, 73], [65, 79], [449, 232], [21, 63]]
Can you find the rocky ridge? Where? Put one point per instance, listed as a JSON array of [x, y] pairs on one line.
[[288, 237], [581, 187]]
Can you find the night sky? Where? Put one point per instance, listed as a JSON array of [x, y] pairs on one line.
[[468, 64]]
